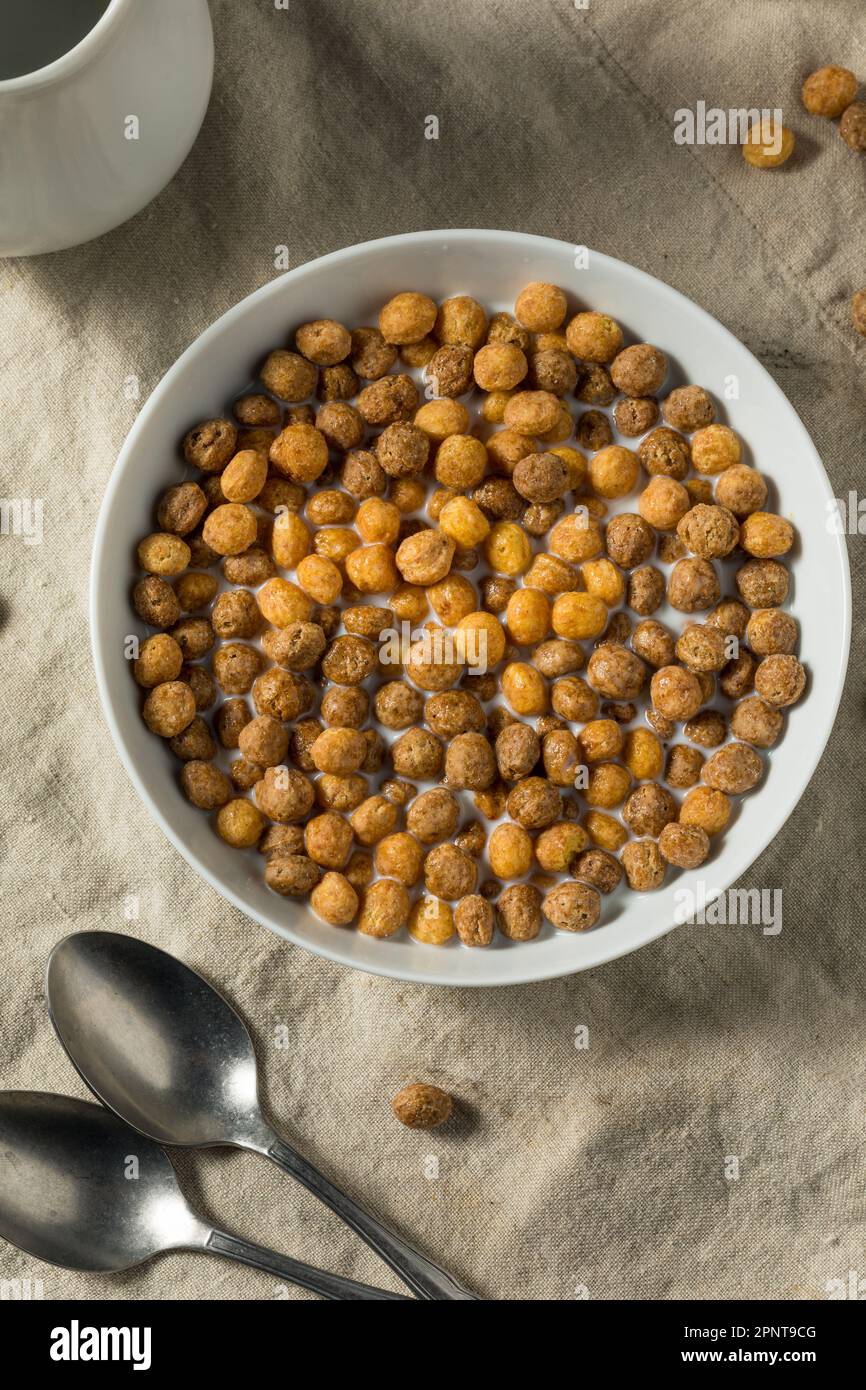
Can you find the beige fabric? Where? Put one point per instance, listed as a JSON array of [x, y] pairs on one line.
[[601, 1168]]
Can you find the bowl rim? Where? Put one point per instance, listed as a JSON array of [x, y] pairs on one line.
[[484, 978]]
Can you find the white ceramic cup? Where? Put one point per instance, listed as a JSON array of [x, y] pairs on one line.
[[91, 138]]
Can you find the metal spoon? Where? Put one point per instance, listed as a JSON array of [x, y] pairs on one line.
[[162, 1049], [79, 1188]]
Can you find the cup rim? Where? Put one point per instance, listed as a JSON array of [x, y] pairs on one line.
[[75, 58]]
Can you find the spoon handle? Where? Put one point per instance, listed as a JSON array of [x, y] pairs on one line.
[[318, 1281], [421, 1275]]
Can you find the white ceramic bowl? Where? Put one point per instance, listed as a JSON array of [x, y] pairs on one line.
[[351, 285]]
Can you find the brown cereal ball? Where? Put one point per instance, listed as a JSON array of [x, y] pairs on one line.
[[593, 430], [418, 754], [449, 872], [762, 583], [194, 636], [429, 662], [359, 870], [160, 659], [470, 763], [236, 667], [231, 717], [205, 785], [541, 477], [693, 586], [193, 743], [780, 680], [339, 751], [400, 857], [518, 912], [688, 408], [771, 632], [553, 371], [181, 509], [472, 839], [558, 657], [665, 453], [323, 342], [573, 699], [372, 357], [684, 846], [738, 677], [541, 307], [653, 644], [699, 490], [708, 531], [264, 741], [433, 816], [289, 838], [449, 371], [649, 809], [421, 1106], [702, 648], [163, 554], [334, 900], [496, 591], [202, 684], [615, 672], [828, 91], [642, 755], [209, 446], [852, 126], [289, 376], [328, 840], [252, 568], [362, 475], [534, 803], [594, 386], [734, 769], [388, 401], [341, 793], [474, 918], [561, 756], [240, 824], [756, 722], [461, 462], [461, 321], [594, 337], [505, 449], [636, 415], [518, 749], [402, 449], [715, 448], [663, 503], [419, 354], [345, 707], [156, 602], [741, 490], [706, 808], [297, 646], [572, 907], [236, 614], [766, 536], [340, 424], [524, 689], [676, 692], [338, 383], [644, 866], [646, 590], [385, 908], [407, 318], [597, 867], [397, 705], [531, 412], [708, 728], [169, 708], [639, 370], [683, 766], [285, 795]]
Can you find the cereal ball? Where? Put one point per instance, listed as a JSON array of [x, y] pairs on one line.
[[559, 846], [245, 476], [615, 672], [362, 475], [298, 646], [372, 569], [429, 663], [194, 743], [593, 430], [300, 453], [639, 370], [400, 856], [278, 693], [558, 657], [454, 712], [665, 453], [285, 795], [540, 307], [464, 522], [608, 785], [397, 705], [181, 509], [236, 614], [858, 311], [733, 769], [338, 383], [433, 815], [693, 585], [385, 908], [289, 376], [426, 557], [649, 809], [676, 692], [163, 554], [510, 851], [518, 749], [156, 602], [534, 803], [169, 708], [341, 793], [644, 865], [473, 918], [541, 477], [431, 921], [328, 840], [417, 754], [553, 371], [470, 763], [372, 357], [707, 809], [461, 462], [472, 839], [663, 503], [531, 412], [738, 677], [646, 590], [205, 785], [159, 660], [613, 471], [503, 328], [653, 644], [730, 617], [421, 1106], [402, 449], [194, 636], [594, 337], [449, 872], [780, 680], [359, 870], [683, 766], [264, 741], [441, 419], [756, 722], [389, 400], [688, 408], [524, 689], [230, 529], [702, 648], [449, 371], [709, 531], [770, 632], [604, 831], [334, 900], [231, 717], [828, 91], [595, 386], [283, 603], [252, 568], [462, 321], [507, 548], [324, 342], [407, 318], [635, 415], [341, 425], [597, 867], [339, 751], [684, 846], [766, 536], [708, 728], [374, 819], [209, 446], [496, 592], [852, 126], [518, 912], [715, 448], [642, 755], [572, 907], [762, 583], [528, 616], [202, 684], [499, 367], [319, 578], [741, 490], [573, 699], [578, 616], [768, 144], [289, 838], [240, 824]]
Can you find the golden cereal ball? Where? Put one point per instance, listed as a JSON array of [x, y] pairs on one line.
[[664, 502], [559, 845], [527, 617], [604, 581], [240, 824], [524, 688], [575, 463], [578, 616], [378, 521], [407, 494], [407, 318], [419, 354], [440, 419], [643, 755], [300, 453], [339, 752], [506, 448], [460, 462], [334, 900], [324, 342], [600, 740], [484, 642], [493, 406], [766, 536], [246, 475], [463, 520], [453, 598], [541, 307], [461, 321], [159, 659], [431, 921], [499, 367], [532, 412], [828, 91], [607, 786], [169, 709], [715, 448], [163, 554], [577, 537], [320, 579], [385, 908], [372, 569], [706, 808], [195, 591], [283, 603], [401, 857], [507, 548], [290, 540], [613, 471], [409, 603], [605, 831], [768, 144], [510, 851], [594, 337], [335, 543]]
